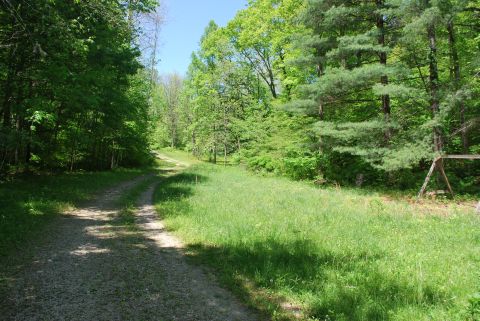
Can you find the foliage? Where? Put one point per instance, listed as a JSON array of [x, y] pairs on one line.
[[167, 109], [72, 91]]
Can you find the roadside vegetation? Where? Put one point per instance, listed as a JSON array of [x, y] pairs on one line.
[[291, 248], [28, 203]]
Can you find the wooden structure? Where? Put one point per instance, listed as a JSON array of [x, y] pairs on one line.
[[438, 165]]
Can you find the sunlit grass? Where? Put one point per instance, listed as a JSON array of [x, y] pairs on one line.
[[332, 254], [182, 156]]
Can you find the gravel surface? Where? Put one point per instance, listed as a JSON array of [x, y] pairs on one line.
[[90, 267]]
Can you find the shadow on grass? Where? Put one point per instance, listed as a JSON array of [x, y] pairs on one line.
[[176, 189], [29, 203], [344, 287]]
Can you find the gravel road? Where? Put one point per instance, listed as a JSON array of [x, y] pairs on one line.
[[90, 267]]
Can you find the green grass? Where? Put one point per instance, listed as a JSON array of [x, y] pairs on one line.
[[128, 201], [333, 254], [182, 156], [27, 204]]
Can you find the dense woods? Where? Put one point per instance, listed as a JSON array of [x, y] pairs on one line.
[[346, 91], [73, 92]]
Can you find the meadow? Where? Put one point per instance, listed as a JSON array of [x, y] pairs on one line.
[[297, 251]]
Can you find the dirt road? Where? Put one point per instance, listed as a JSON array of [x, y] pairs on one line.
[[90, 267]]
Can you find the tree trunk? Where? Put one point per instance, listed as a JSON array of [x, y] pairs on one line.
[[434, 82], [457, 81], [269, 77], [154, 51], [112, 160], [225, 122], [18, 143], [112, 157], [28, 154], [321, 112], [12, 68], [288, 87], [194, 144], [72, 158], [8, 96], [131, 12], [384, 79], [214, 144]]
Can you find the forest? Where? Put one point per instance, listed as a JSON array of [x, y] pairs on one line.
[[74, 91], [347, 92]]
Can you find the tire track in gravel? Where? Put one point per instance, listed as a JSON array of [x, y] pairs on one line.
[[195, 295]]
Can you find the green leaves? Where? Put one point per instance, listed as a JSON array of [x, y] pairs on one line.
[[73, 98]]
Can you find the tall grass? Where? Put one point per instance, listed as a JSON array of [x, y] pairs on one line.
[[27, 204], [326, 254]]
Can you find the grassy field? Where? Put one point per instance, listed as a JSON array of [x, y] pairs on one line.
[[179, 155], [290, 248], [27, 204]]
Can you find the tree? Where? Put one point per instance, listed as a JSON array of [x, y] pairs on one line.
[[70, 84], [168, 108]]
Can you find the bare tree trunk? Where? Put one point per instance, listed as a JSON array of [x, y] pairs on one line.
[[9, 81], [8, 96], [154, 51], [225, 135], [112, 157], [4, 158], [18, 142], [72, 158], [384, 79], [434, 100], [28, 154], [267, 73], [214, 144], [112, 160], [321, 112], [194, 143], [131, 11], [288, 87], [457, 81]]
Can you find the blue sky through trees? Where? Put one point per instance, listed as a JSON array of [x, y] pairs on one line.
[[185, 22]]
